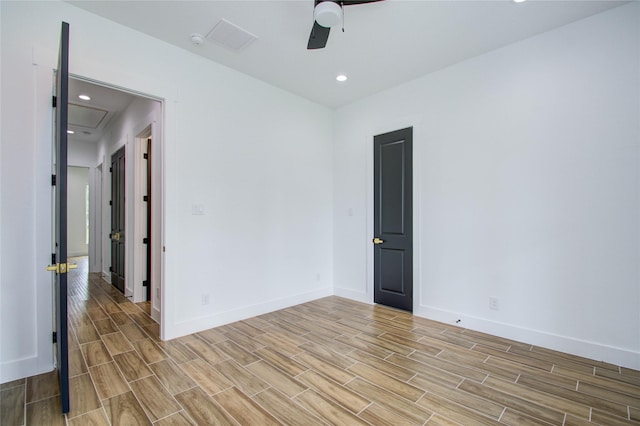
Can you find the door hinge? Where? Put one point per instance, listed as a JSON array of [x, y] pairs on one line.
[[53, 259], [145, 241], [54, 101], [110, 202], [145, 198], [53, 180], [145, 283], [110, 268], [54, 337], [110, 169], [145, 156]]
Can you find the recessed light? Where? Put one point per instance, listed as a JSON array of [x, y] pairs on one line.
[[519, 1], [85, 97], [70, 132], [341, 77]]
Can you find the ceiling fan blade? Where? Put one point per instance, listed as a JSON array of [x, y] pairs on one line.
[[319, 36], [355, 2]]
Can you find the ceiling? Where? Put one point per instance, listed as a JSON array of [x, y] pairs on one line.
[[383, 44], [89, 118]]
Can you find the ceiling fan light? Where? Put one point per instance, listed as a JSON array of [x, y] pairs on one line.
[[328, 14]]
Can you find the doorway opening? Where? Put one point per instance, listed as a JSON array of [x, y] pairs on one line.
[[114, 119]]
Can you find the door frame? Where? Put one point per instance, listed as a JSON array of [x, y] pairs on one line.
[[418, 131], [140, 217]]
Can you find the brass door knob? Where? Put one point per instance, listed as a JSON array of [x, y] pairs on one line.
[[377, 241]]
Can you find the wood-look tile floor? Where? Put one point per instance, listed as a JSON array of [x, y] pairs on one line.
[[330, 361]]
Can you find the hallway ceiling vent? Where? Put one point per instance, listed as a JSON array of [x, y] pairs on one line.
[[230, 35], [86, 116]]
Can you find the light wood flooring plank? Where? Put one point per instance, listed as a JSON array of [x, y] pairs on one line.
[[177, 419], [403, 389], [156, 401], [12, 406], [243, 409], [237, 353], [241, 377], [281, 361], [107, 380], [105, 326], [86, 333], [205, 376], [92, 418], [95, 353], [572, 395], [116, 343], [285, 409], [82, 396], [514, 418], [77, 365], [338, 374], [322, 407], [277, 378], [202, 408], [132, 366], [43, 386], [208, 352], [610, 395], [172, 377], [334, 391], [389, 400], [178, 352], [385, 366], [376, 415], [124, 410], [212, 336], [509, 400], [45, 412], [149, 351], [132, 332], [456, 412]]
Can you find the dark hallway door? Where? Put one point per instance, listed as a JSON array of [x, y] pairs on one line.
[[117, 219], [59, 259], [393, 219]]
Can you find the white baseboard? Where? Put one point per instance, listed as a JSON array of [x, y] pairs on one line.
[[21, 368], [106, 276], [204, 323], [359, 296], [592, 350]]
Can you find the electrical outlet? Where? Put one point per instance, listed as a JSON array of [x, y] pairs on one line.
[[493, 304], [205, 299]]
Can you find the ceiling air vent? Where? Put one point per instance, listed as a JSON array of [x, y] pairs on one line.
[[230, 35], [86, 116]]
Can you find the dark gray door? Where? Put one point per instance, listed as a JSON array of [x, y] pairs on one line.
[[393, 219], [117, 219], [59, 260]]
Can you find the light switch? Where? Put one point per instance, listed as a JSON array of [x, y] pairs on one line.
[[197, 209]]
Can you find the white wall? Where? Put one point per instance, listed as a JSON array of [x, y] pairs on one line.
[[81, 154], [526, 174], [77, 184], [258, 159]]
